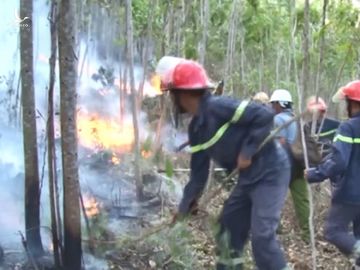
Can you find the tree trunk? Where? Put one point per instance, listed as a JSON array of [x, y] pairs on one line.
[[68, 81], [306, 53], [321, 57], [300, 92], [204, 11], [53, 193], [147, 45], [134, 109], [231, 46], [32, 188]]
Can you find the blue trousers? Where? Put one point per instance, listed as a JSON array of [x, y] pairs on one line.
[[254, 210], [337, 225]]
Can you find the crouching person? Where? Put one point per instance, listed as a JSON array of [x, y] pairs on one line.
[[230, 132], [342, 167]]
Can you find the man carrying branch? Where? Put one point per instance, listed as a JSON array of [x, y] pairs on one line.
[[325, 127], [230, 132], [342, 167]]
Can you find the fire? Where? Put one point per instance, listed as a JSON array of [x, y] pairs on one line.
[[104, 134], [146, 154], [151, 88], [91, 206], [156, 84], [115, 160]]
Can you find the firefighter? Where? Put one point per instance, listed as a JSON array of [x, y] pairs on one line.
[[261, 97], [325, 127], [342, 168], [229, 132], [281, 101]]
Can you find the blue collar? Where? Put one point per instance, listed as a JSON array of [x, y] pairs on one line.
[[356, 115]]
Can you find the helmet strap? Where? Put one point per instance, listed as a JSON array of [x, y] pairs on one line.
[[178, 110], [349, 107]]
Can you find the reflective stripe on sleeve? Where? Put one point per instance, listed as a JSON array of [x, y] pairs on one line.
[[220, 132], [346, 139], [327, 133]]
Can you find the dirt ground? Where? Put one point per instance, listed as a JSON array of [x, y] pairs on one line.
[[298, 252], [191, 244]]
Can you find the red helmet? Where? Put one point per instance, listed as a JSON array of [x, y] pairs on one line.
[[189, 75], [316, 105], [350, 91]]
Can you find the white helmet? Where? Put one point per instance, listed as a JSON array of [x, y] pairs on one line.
[[281, 95]]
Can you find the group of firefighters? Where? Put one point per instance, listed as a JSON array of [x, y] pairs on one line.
[[230, 132]]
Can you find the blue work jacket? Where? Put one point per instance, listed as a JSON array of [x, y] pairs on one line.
[[342, 165], [222, 129], [328, 129], [289, 133]]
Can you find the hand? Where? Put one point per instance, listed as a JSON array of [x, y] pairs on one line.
[[305, 174], [243, 163], [282, 141]]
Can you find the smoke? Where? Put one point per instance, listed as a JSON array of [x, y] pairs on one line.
[[94, 96], [11, 183]]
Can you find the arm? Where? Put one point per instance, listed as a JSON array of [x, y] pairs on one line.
[[198, 178], [281, 135], [338, 160]]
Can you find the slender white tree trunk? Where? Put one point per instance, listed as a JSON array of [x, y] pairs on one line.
[[134, 109], [204, 11], [300, 91]]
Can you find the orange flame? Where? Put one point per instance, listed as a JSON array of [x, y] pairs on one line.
[[154, 87], [146, 154], [91, 206], [104, 134], [151, 88], [115, 160]]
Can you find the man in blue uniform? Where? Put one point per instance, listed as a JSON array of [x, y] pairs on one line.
[[230, 132], [342, 167]]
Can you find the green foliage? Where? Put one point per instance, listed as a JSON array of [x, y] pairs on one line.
[[169, 168], [177, 242]]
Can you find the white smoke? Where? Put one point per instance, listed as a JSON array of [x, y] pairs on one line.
[[11, 141]]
